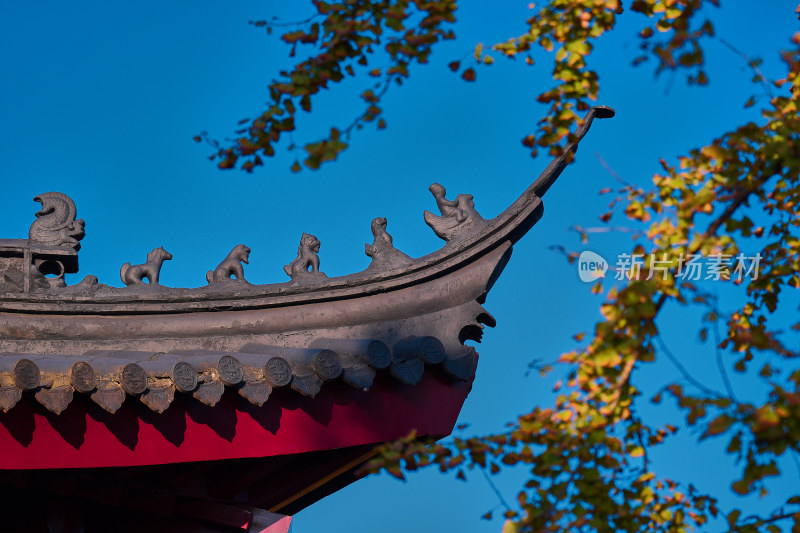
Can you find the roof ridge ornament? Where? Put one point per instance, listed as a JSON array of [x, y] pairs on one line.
[[135, 274], [382, 251], [55, 223], [38, 264], [306, 259], [231, 266], [459, 217]]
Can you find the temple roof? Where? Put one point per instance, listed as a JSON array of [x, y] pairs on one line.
[[207, 406], [97, 379]]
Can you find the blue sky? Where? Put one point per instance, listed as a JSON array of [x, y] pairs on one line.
[[100, 100]]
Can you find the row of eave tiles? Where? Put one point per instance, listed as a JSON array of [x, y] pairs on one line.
[[110, 376]]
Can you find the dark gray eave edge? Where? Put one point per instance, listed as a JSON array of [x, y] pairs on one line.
[[468, 241], [511, 225]]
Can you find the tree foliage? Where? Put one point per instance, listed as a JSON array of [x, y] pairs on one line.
[[345, 36], [587, 454]]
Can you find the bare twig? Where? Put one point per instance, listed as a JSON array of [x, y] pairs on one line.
[[611, 171], [682, 369], [720, 364], [496, 490], [672, 75], [605, 229], [793, 453], [360, 119], [645, 457], [753, 66], [273, 22], [571, 256]]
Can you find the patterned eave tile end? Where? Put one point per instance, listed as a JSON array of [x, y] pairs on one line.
[[110, 377]]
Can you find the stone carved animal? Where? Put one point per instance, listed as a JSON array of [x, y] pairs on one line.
[[450, 208], [382, 250], [306, 258], [55, 223], [135, 274], [231, 266], [382, 239], [459, 217]]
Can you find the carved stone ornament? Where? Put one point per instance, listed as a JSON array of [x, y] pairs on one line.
[[306, 259], [38, 263], [383, 253], [55, 223], [231, 266], [459, 216], [135, 274]]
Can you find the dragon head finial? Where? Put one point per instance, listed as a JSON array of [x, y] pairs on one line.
[[55, 223]]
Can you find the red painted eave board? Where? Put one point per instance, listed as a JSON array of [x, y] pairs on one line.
[[86, 436]]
